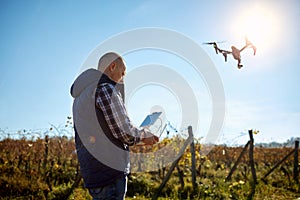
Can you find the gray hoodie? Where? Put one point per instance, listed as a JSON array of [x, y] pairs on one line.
[[101, 161]]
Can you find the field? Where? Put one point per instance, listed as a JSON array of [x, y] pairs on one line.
[[47, 168]]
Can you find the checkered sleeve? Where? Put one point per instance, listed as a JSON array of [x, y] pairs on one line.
[[109, 100]]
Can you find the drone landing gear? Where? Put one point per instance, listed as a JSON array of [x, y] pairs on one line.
[[239, 65], [225, 56]]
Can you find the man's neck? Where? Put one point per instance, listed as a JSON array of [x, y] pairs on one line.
[[106, 79]]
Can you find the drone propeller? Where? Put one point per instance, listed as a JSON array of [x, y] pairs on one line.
[[213, 43], [209, 43]]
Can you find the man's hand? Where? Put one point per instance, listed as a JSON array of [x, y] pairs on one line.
[[149, 139]]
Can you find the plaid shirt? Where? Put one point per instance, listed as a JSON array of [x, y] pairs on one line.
[[109, 100]]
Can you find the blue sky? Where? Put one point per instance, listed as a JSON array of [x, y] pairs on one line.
[[44, 43]]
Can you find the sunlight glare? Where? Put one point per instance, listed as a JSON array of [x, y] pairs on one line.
[[260, 26]]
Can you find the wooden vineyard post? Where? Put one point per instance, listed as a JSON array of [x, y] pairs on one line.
[[277, 164], [193, 157], [237, 162], [296, 161], [253, 184], [174, 164], [251, 157]]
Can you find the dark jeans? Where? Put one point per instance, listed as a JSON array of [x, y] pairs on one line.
[[114, 191]]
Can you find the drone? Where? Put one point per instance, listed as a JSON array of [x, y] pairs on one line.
[[236, 53]]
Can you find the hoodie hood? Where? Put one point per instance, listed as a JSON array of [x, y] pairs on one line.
[[84, 80]]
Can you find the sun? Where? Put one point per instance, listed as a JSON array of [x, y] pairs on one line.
[[259, 25]]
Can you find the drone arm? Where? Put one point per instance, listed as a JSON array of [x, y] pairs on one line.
[[244, 47], [253, 47], [248, 43], [225, 53]]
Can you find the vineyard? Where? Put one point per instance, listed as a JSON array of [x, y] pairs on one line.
[[47, 168]]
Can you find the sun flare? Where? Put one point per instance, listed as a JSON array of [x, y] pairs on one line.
[[259, 26]]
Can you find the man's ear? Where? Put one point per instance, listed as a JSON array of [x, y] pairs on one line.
[[112, 67]]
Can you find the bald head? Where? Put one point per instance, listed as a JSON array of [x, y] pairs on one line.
[[112, 65], [107, 59]]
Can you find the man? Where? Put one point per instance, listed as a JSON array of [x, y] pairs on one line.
[[103, 130]]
